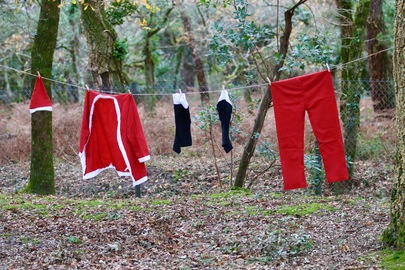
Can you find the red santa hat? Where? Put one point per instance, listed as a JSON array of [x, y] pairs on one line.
[[40, 100]]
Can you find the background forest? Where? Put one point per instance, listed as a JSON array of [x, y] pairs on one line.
[[186, 217], [236, 42]]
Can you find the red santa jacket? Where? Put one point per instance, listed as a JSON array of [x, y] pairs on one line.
[[112, 137]]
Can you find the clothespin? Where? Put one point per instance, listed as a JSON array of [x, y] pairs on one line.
[[129, 91], [180, 91], [268, 80], [39, 75], [87, 87], [328, 67]]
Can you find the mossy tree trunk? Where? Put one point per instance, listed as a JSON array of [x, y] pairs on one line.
[[101, 39], [149, 69], [394, 235], [352, 43], [149, 64], [42, 172]]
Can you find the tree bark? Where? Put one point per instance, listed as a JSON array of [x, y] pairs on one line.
[[198, 64], [101, 38], [379, 62], [73, 75], [266, 101], [394, 235], [352, 40], [187, 72], [42, 172], [149, 68]]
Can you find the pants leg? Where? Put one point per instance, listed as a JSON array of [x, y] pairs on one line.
[[291, 98], [289, 111], [324, 117]]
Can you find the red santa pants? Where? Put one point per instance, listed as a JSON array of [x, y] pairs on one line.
[[313, 93]]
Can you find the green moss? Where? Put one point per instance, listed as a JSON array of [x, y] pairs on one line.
[[276, 195], [305, 209], [257, 211], [85, 209], [226, 203], [95, 216], [160, 202], [92, 203], [393, 260], [58, 206], [196, 196], [135, 208], [37, 208]]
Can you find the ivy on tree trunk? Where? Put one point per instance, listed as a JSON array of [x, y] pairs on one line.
[[101, 39], [394, 235], [42, 172], [352, 41]]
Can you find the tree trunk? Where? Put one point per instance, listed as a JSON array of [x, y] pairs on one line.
[[42, 171], [352, 40], [73, 75], [149, 64], [7, 82], [198, 64], [379, 62], [394, 235], [266, 101], [101, 39], [187, 73], [150, 100]]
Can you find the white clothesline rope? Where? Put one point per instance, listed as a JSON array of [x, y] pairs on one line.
[[340, 66]]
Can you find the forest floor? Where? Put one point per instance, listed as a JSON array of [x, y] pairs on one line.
[[185, 218]]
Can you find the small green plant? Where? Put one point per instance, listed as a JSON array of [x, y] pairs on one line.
[[118, 10], [266, 150], [300, 243], [370, 149], [206, 117], [314, 167], [243, 37], [317, 49], [280, 243], [180, 174], [74, 240], [120, 49], [205, 120]]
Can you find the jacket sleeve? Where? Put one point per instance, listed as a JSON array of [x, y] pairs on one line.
[[84, 132], [135, 132]]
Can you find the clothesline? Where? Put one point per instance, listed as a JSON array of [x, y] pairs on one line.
[[340, 66], [135, 94], [364, 57]]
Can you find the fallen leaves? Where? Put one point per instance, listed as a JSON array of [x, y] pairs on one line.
[[186, 223]]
